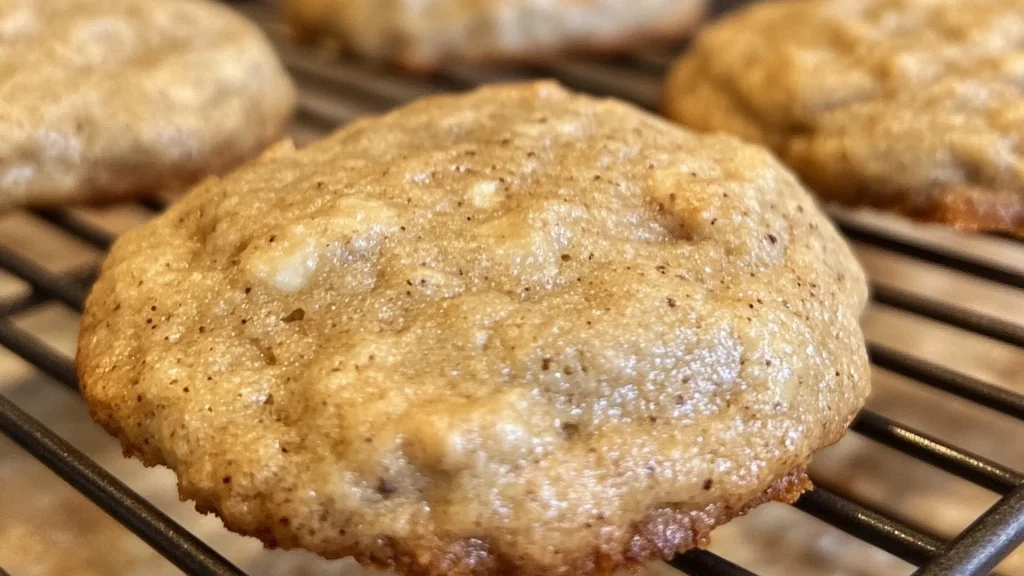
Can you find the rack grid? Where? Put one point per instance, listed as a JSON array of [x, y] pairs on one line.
[[335, 91]]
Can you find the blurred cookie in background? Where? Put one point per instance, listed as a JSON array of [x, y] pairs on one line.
[[101, 99], [909, 105], [423, 35]]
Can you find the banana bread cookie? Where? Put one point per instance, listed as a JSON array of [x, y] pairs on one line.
[[910, 105], [423, 35], [516, 331], [106, 98]]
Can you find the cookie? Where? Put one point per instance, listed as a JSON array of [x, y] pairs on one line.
[[910, 105], [110, 98], [516, 331], [423, 35]]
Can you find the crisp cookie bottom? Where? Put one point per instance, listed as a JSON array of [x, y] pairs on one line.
[[660, 535]]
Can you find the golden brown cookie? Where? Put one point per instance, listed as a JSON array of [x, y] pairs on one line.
[[911, 105], [423, 35], [516, 331], [106, 98]]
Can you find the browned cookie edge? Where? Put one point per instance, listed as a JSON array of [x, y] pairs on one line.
[[661, 534]]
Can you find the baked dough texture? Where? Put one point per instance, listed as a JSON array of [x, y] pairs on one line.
[[515, 331], [912, 105], [423, 35], [104, 98]]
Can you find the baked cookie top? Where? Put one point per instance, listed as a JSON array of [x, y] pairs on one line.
[[103, 98], [910, 104], [518, 330], [423, 35]]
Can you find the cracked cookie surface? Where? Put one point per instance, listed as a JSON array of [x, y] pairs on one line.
[[517, 330], [912, 105]]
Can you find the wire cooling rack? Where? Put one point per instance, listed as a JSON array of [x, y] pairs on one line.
[[334, 92]]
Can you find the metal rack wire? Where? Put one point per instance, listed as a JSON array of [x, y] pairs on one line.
[[335, 92]]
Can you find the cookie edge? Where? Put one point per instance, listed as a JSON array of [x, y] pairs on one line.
[[660, 535]]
